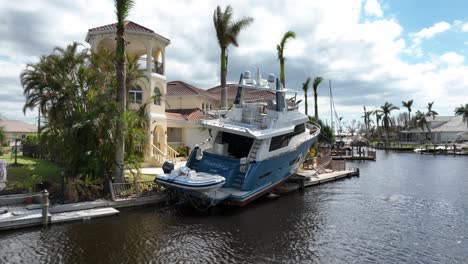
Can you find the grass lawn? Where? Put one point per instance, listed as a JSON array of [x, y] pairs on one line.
[[143, 177], [31, 172]]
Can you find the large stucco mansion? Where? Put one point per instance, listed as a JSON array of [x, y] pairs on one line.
[[174, 115]]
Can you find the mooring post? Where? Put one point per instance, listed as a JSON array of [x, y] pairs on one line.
[[454, 150], [45, 208], [302, 183]]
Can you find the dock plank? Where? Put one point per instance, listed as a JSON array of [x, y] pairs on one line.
[[83, 214]]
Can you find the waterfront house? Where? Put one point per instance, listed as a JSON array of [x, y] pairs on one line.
[[15, 129], [443, 129], [176, 107]]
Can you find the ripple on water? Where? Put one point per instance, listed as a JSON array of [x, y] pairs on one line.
[[398, 211]]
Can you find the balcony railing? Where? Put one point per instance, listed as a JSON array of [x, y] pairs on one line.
[[156, 66]]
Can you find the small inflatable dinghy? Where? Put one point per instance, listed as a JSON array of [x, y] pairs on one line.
[[187, 179]]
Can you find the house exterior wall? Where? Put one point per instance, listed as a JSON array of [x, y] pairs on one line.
[[443, 137], [10, 136], [190, 102], [195, 136]]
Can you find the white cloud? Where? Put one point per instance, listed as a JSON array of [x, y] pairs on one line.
[[372, 7], [363, 59], [452, 58], [424, 34], [430, 32], [465, 27]]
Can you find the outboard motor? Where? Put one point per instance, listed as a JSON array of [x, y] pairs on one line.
[[167, 167]]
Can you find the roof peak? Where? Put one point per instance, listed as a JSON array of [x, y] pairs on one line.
[[129, 25]]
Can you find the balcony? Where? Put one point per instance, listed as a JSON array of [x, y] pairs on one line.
[[156, 66]]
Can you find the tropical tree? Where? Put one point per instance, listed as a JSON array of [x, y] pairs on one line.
[[430, 112], [352, 127], [122, 10], [408, 104], [367, 120], [280, 52], [421, 121], [378, 117], [305, 88], [72, 87], [2, 133], [2, 136], [462, 111], [227, 32], [315, 85], [386, 110]]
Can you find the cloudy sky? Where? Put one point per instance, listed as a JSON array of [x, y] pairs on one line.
[[372, 50]]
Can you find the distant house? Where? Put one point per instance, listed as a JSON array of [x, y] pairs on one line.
[[186, 105], [17, 129], [249, 93], [443, 129]]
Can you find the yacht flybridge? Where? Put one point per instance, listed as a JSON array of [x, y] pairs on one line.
[[255, 147]]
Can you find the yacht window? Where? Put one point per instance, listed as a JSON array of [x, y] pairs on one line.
[[283, 140], [238, 146]]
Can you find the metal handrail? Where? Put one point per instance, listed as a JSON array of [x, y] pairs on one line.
[[317, 127]]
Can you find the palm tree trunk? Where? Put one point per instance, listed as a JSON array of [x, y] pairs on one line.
[[282, 78], [306, 104], [121, 100], [39, 130], [315, 106], [409, 118], [224, 104]]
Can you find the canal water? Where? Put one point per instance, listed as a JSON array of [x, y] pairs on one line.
[[404, 208]]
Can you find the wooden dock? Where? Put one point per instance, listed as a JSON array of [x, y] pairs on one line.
[[370, 158], [19, 216], [310, 178]]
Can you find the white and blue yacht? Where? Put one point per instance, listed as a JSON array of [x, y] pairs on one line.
[[255, 147]]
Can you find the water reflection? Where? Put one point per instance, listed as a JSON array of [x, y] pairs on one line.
[[403, 208]]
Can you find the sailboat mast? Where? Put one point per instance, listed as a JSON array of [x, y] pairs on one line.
[[331, 106]]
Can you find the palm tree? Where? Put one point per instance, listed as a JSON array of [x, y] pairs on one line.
[[463, 111], [385, 110], [317, 81], [305, 88], [367, 120], [408, 105], [227, 32], [280, 50], [2, 133], [430, 112], [122, 8], [378, 116], [421, 120]]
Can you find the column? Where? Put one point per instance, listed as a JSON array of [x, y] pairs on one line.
[[149, 51]]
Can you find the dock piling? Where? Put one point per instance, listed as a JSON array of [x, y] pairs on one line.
[[45, 208]]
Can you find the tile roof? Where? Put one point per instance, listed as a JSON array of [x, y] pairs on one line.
[[178, 88], [249, 93], [130, 26], [193, 115], [17, 126], [455, 124]]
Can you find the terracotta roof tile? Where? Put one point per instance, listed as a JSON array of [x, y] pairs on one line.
[[17, 126], [130, 26], [193, 115], [249, 93], [178, 88]]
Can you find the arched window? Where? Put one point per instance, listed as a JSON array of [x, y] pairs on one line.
[[135, 95], [157, 96], [203, 106]]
